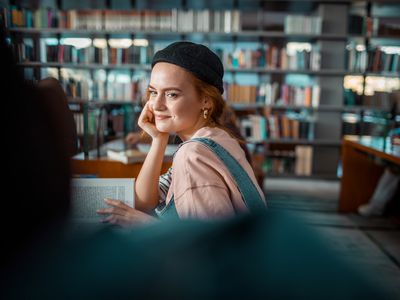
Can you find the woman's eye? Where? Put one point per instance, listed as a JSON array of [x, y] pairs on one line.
[[172, 95]]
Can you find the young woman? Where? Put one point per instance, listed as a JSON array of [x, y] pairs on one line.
[[210, 175]]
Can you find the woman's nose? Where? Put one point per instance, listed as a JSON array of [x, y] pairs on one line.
[[158, 102]]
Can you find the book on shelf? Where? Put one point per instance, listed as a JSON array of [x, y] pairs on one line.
[[296, 162], [297, 24], [88, 194], [126, 156], [254, 128], [280, 162], [270, 56], [273, 94], [303, 165], [373, 59]]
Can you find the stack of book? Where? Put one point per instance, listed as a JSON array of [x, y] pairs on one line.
[[126, 156]]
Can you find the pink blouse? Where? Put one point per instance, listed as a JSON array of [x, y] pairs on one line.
[[201, 184]]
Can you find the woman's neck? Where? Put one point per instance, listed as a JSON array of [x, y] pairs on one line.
[[187, 134]]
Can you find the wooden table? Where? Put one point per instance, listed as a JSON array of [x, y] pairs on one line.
[[360, 170], [103, 167]]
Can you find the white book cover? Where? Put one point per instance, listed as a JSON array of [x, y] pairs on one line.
[[316, 92], [126, 156]]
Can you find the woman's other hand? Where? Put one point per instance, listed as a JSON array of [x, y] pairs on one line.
[[123, 215], [132, 138]]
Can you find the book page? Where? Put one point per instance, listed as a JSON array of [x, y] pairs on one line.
[[88, 194]]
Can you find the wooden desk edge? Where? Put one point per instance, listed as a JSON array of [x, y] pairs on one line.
[[389, 157]]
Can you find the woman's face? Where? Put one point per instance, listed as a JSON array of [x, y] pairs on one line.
[[176, 105]]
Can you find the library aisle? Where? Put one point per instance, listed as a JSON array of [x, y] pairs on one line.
[[373, 244]]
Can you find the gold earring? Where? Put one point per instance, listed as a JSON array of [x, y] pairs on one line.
[[205, 114]]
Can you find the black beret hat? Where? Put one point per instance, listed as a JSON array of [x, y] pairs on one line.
[[195, 58]]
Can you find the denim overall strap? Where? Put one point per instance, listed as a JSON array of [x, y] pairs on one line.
[[247, 189], [169, 211]]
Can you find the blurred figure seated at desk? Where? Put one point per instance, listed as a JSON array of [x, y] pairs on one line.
[[388, 184], [383, 194], [132, 138]]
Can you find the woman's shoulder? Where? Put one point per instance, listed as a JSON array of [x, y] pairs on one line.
[[190, 150], [194, 149], [211, 132]]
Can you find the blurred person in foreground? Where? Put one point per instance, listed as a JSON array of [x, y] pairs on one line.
[[257, 256]]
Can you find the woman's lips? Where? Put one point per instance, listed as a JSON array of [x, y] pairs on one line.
[[161, 117]]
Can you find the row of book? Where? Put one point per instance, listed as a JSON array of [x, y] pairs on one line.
[[387, 101], [371, 123], [359, 24], [374, 26], [179, 20], [92, 137], [257, 128], [373, 59], [71, 54], [271, 57], [298, 24], [134, 90], [93, 120], [287, 162], [24, 52], [89, 89], [188, 20], [103, 123], [274, 94], [267, 56]]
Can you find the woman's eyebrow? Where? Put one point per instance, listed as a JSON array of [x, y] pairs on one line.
[[166, 89]]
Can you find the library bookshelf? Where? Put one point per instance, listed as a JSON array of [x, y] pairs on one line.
[[285, 67]]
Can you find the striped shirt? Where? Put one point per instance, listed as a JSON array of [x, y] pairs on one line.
[[164, 183]]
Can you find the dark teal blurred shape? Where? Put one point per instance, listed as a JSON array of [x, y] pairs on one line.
[[266, 256]]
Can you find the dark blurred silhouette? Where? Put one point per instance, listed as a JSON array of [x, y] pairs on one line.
[[251, 256], [57, 103], [35, 165]]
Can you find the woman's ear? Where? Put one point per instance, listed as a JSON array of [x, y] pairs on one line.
[[206, 103]]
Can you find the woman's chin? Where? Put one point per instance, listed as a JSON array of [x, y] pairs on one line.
[[164, 129]]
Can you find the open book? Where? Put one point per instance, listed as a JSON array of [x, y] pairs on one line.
[[88, 194]]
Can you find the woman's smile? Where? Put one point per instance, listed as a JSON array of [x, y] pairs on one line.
[[161, 117]]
